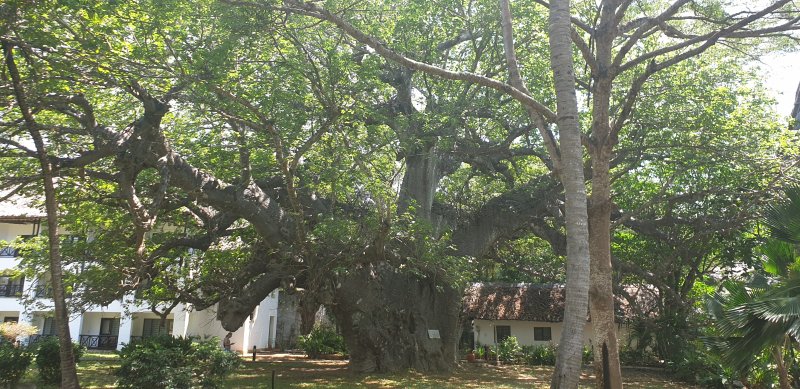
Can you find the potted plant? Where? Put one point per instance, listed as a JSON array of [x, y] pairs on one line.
[[471, 355]]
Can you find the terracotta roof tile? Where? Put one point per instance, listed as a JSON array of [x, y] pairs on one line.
[[529, 302]]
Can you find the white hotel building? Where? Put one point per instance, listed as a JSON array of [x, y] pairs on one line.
[[109, 327]]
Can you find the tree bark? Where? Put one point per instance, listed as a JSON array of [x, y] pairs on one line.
[[570, 346], [69, 374], [385, 316], [796, 109], [601, 296], [783, 374], [602, 141]]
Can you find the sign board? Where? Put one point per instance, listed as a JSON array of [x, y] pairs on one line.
[[433, 334]]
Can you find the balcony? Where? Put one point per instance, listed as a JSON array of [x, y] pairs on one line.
[[11, 290], [33, 339], [8, 251], [99, 342], [43, 291]]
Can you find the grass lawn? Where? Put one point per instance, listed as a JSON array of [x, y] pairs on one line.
[[292, 371]]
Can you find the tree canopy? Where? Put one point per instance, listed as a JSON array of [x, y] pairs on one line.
[[212, 151]]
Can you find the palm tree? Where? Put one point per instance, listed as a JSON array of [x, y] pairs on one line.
[[764, 313]]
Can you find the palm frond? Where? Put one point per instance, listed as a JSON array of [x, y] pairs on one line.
[[783, 219]]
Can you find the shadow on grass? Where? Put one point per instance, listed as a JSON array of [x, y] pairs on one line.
[[296, 372], [292, 371]]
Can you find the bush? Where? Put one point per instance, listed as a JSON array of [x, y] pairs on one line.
[[539, 355], [322, 340], [638, 357], [697, 365], [167, 362], [48, 359], [508, 349], [14, 362]]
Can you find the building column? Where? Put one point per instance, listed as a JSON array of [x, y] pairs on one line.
[[180, 322], [30, 287], [273, 330], [27, 318], [246, 335], [125, 328], [75, 325]]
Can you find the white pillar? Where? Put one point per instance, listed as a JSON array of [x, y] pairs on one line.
[[180, 322], [27, 318], [30, 287], [273, 329], [75, 325], [246, 335], [125, 328]]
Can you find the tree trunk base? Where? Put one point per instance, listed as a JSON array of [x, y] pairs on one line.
[[393, 321]]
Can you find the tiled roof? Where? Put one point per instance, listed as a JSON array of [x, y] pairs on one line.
[[18, 208], [529, 302]]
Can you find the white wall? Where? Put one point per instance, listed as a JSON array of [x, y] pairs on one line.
[[523, 331], [10, 231], [259, 325], [204, 324]]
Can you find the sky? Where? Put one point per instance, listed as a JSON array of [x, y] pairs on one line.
[[782, 78]]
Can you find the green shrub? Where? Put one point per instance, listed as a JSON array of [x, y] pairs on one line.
[[322, 340], [638, 357], [167, 362], [698, 365], [48, 359], [508, 349], [480, 352], [539, 355], [14, 362]]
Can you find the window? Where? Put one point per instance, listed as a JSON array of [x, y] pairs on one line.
[[153, 327], [542, 334], [11, 286], [10, 319], [109, 326], [49, 327], [501, 333]]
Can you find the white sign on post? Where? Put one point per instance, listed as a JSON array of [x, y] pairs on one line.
[[433, 334]]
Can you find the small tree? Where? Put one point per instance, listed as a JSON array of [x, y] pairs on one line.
[[48, 359], [11, 331], [508, 349]]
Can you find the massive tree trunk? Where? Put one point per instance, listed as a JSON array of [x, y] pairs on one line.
[[391, 319], [69, 374], [570, 346]]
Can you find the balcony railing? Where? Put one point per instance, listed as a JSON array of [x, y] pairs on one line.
[[11, 290], [99, 342], [8, 251], [43, 291], [33, 339]]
